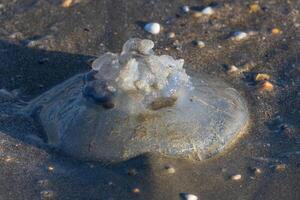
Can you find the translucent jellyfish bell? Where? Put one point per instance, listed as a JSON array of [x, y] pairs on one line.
[[137, 102]]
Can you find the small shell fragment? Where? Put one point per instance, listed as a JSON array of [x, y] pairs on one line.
[[266, 86], [239, 35], [171, 35], [232, 69], [153, 28], [276, 31], [253, 8], [208, 11], [136, 190], [170, 169], [236, 177], [67, 3], [280, 167], [187, 196], [262, 77], [200, 44], [185, 9]]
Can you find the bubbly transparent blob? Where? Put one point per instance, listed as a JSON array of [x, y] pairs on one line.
[[137, 102]]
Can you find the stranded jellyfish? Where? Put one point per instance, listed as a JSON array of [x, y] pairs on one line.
[[137, 102]]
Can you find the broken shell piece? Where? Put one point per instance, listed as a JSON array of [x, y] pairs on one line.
[[266, 86], [232, 69], [276, 31], [187, 196], [137, 102], [236, 177], [153, 28], [239, 35], [253, 8], [208, 11], [262, 77]]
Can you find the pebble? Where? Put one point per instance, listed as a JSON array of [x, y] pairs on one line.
[[153, 28], [200, 44], [185, 9], [208, 11], [239, 35], [236, 177], [170, 169], [187, 196], [171, 35], [262, 77]]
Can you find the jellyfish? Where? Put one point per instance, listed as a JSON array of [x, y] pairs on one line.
[[137, 102]]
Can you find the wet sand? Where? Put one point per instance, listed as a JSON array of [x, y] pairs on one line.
[[43, 44]]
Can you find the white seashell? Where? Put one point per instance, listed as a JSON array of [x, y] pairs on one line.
[[153, 28], [185, 9], [208, 11], [236, 177], [200, 44], [238, 36], [186, 196]]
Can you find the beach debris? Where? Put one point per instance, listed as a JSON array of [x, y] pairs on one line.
[[239, 35], [170, 169], [188, 196], [200, 44], [236, 177], [47, 194], [262, 77], [185, 9], [276, 31], [136, 190], [153, 28], [265, 86], [171, 35], [280, 167], [255, 7]]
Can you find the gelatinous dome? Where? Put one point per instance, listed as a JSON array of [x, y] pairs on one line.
[[137, 102]]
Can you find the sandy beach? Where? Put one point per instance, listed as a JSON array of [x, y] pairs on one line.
[[45, 42]]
